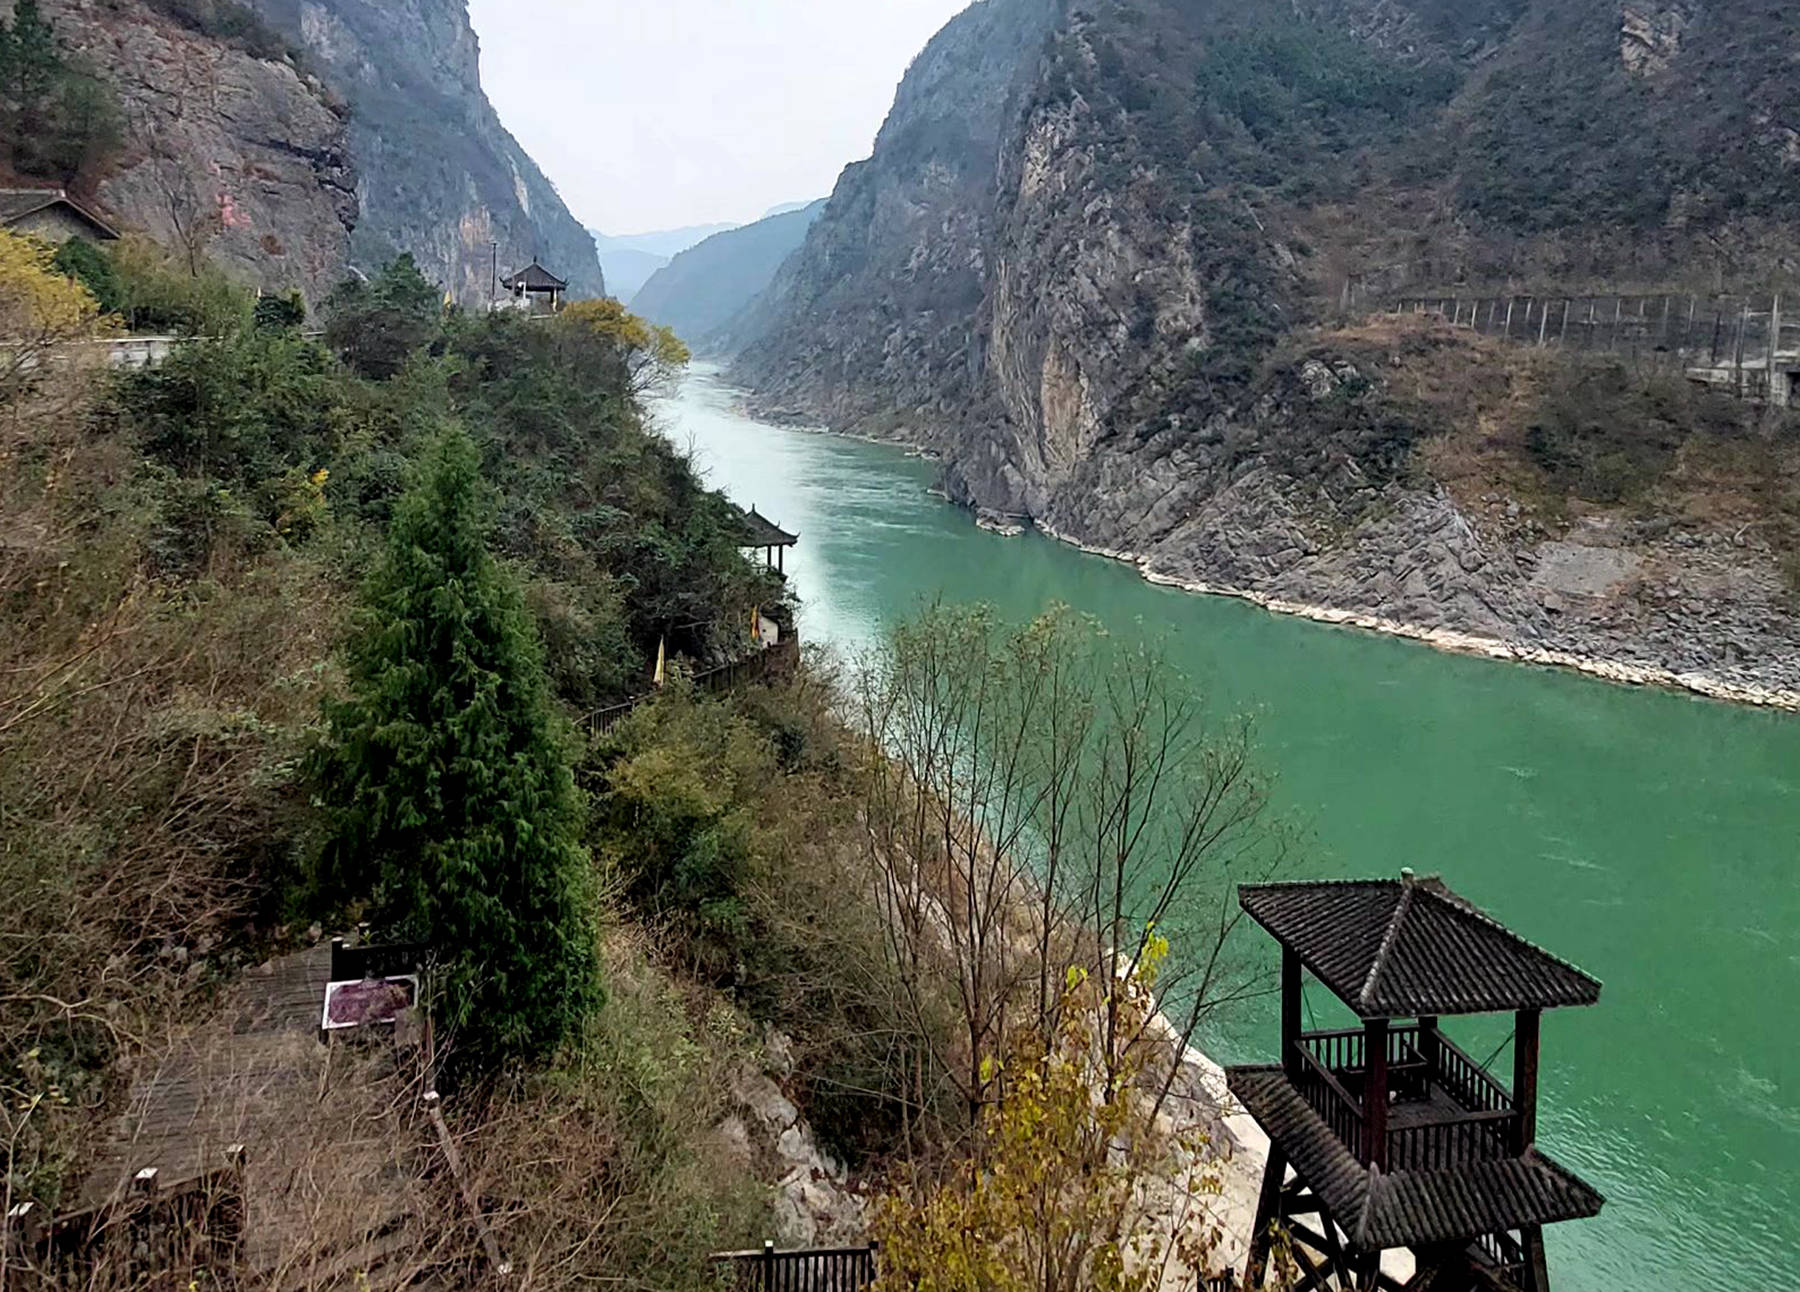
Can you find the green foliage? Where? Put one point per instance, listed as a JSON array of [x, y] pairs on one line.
[[59, 118], [590, 496], [161, 295], [281, 312], [375, 326], [94, 270], [447, 781], [242, 409]]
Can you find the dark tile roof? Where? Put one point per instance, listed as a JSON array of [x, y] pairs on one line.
[[17, 203], [1399, 948], [534, 278], [1411, 1208], [760, 531]]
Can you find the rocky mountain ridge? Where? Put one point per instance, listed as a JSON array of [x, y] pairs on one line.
[[440, 175], [1098, 244]]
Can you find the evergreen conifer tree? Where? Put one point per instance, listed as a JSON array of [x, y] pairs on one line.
[[456, 811]]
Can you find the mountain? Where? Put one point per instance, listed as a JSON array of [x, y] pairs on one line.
[[628, 269], [1109, 258], [225, 148], [438, 174], [667, 243], [702, 292]]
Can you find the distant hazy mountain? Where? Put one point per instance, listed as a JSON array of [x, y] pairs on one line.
[[785, 208], [702, 291], [664, 242], [628, 269]]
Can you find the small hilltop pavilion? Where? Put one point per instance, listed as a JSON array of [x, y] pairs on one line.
[[759, 532], [1386, 1136], [535, 289]]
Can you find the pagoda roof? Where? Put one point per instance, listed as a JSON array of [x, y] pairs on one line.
[[760, 531], [1404, 948], [534, 278], [17, 203], [1380, 1211]]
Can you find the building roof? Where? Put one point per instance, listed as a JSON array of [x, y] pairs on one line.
[[534, 278], [760, 531], [1410, 1208], [1401, 948], [17, 203]]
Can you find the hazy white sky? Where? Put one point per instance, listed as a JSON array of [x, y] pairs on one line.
[[655, 114]]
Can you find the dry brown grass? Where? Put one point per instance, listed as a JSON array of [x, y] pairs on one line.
[[147, 732]]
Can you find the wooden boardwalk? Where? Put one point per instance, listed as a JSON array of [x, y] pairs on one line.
[[334, 1146]]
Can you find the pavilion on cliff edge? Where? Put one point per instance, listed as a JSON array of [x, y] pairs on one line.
[[1388, 1136]]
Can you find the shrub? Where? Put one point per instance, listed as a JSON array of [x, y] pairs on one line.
[[1608, 435], [376, 325], [94, 270]]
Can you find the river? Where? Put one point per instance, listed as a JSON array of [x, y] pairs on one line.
[[1651, 838]]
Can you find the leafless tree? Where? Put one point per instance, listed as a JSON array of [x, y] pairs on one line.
[[1046, 797]]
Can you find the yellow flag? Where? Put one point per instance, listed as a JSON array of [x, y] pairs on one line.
[[662, 663], [756, 624]]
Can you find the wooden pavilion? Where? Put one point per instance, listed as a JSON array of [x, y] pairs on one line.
[[761, 532], [1395, 1137], [536, 288]]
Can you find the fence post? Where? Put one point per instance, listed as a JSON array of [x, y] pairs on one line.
[[1774, 342], [768, 1265]]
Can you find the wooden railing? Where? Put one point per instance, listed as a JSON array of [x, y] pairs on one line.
[[1468, 1081], [152, 1233], [1450, 1141], [777, 661], [822, 1269], [1332, 1074], [1341, 1110]]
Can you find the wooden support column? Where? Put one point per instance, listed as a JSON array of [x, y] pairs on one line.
[[1526, 1039], [1537, 1265], [1268, 1209], [1375, 1092], [1290, 1011]]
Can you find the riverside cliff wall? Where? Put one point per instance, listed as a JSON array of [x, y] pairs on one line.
[[1098, 259]]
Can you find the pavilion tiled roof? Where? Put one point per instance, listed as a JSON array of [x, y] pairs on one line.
[[760, 531], [1407, 948], [534, 278], [1411, 1208], [17, 203]]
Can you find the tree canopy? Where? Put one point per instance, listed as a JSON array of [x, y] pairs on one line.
[[450, 783]]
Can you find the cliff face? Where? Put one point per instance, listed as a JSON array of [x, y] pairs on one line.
[[240, 159], [1090, 254], [878, 317], [440, 176]]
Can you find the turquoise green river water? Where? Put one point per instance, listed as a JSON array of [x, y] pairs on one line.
[[1651, 838]]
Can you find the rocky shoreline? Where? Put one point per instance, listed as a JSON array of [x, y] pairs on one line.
[[1464, 643]]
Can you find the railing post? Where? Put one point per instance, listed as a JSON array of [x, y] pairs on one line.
[[768, 1265]]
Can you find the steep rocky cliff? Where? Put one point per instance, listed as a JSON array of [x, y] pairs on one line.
[[1097, 242], [239, 158], [440, 176]]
